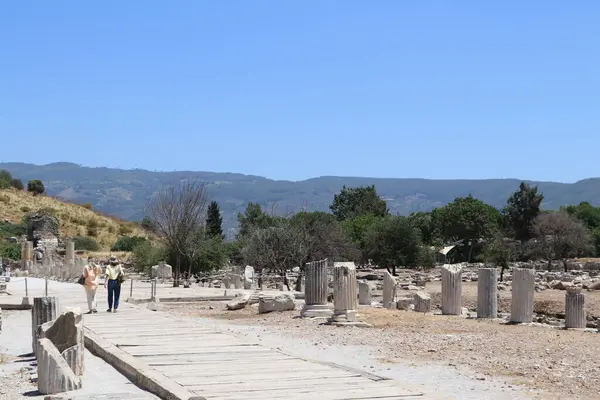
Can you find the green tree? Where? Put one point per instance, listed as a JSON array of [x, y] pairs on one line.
[[214, 221], [392, 242], [210, 254], [254, 218], [127, 243], [423, 221], [10, 250], [354, 202], [5, 179], [356, 229], [522, 207], [466, 218], [35, 186], [145, 255]]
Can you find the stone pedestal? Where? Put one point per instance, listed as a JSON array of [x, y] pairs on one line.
[[422, 302], [315, 292], [66, 334], [54, 373], [451, 290], [574, 309], [487, 293], [44, 309], [389, 290], [523, 287], [365, 296]]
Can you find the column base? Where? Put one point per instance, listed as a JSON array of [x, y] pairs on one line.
[[316, 311], [347, 318]]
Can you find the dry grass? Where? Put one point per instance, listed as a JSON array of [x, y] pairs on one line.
[[75, 220]]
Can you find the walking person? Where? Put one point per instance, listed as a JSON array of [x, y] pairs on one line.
[[91, 273], [114, 278]]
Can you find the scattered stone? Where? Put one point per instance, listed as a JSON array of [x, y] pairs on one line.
[[389, 290], [404, 303], [279, 302], [238, 302], [66, 334]]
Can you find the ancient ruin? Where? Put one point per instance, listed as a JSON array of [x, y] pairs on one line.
[[389, 290], [487, 293], [315, 293], [451, 290], [523, 287]]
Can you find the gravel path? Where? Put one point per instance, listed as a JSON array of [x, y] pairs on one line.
[[466, 358]]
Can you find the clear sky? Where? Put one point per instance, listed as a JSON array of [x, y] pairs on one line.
[[297, 89]]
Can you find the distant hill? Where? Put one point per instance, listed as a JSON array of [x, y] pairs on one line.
[[124, 193]]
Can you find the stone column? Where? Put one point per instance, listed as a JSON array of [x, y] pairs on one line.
[[523, 287], [574, 309], [315, 292], [451, 290], [44, 309], [344, 295], [487, 293], [70, 257], [365, 296], [389, 290]]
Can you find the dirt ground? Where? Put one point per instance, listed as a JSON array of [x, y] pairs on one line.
[[558, 362], [547, 301]]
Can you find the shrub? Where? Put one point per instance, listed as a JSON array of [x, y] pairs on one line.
[[125, 229], [92, 223], [4, 199], [10, 250], [92, 231], [85, 243], [17, 184], [87, 206], [8, 229], [145, 256], [128, 243], [36, 187], [25, 209]]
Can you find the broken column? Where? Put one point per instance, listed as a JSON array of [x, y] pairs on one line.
[[44, 309], [487, 293], [389, 290], [523, 287], [54, 374], [344, 293], [451, 290], [315, 291], [574, 309], [70, 257], [422, 302], [66, 334], [364, 293]]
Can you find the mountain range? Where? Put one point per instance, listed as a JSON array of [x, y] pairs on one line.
[[125, 193]]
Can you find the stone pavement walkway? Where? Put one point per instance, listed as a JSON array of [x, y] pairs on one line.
[[186, 357]]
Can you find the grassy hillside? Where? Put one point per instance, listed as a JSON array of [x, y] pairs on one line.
[[75, 220]]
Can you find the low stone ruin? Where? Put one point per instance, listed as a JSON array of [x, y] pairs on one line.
[[60, 353], [162, 271], [42, 229]]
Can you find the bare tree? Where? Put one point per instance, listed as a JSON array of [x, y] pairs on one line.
[[277, 248], [561, 236], [177, 212]]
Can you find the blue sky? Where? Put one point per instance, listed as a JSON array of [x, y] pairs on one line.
[[298, 89]]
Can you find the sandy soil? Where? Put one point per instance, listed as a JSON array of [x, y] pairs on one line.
[[554, 362], [546, 301]]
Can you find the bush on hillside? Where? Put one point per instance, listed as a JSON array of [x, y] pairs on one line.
[[35, 186], [85, 243], [17, 184], [8, 229], [10, 250], [127, 243]]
